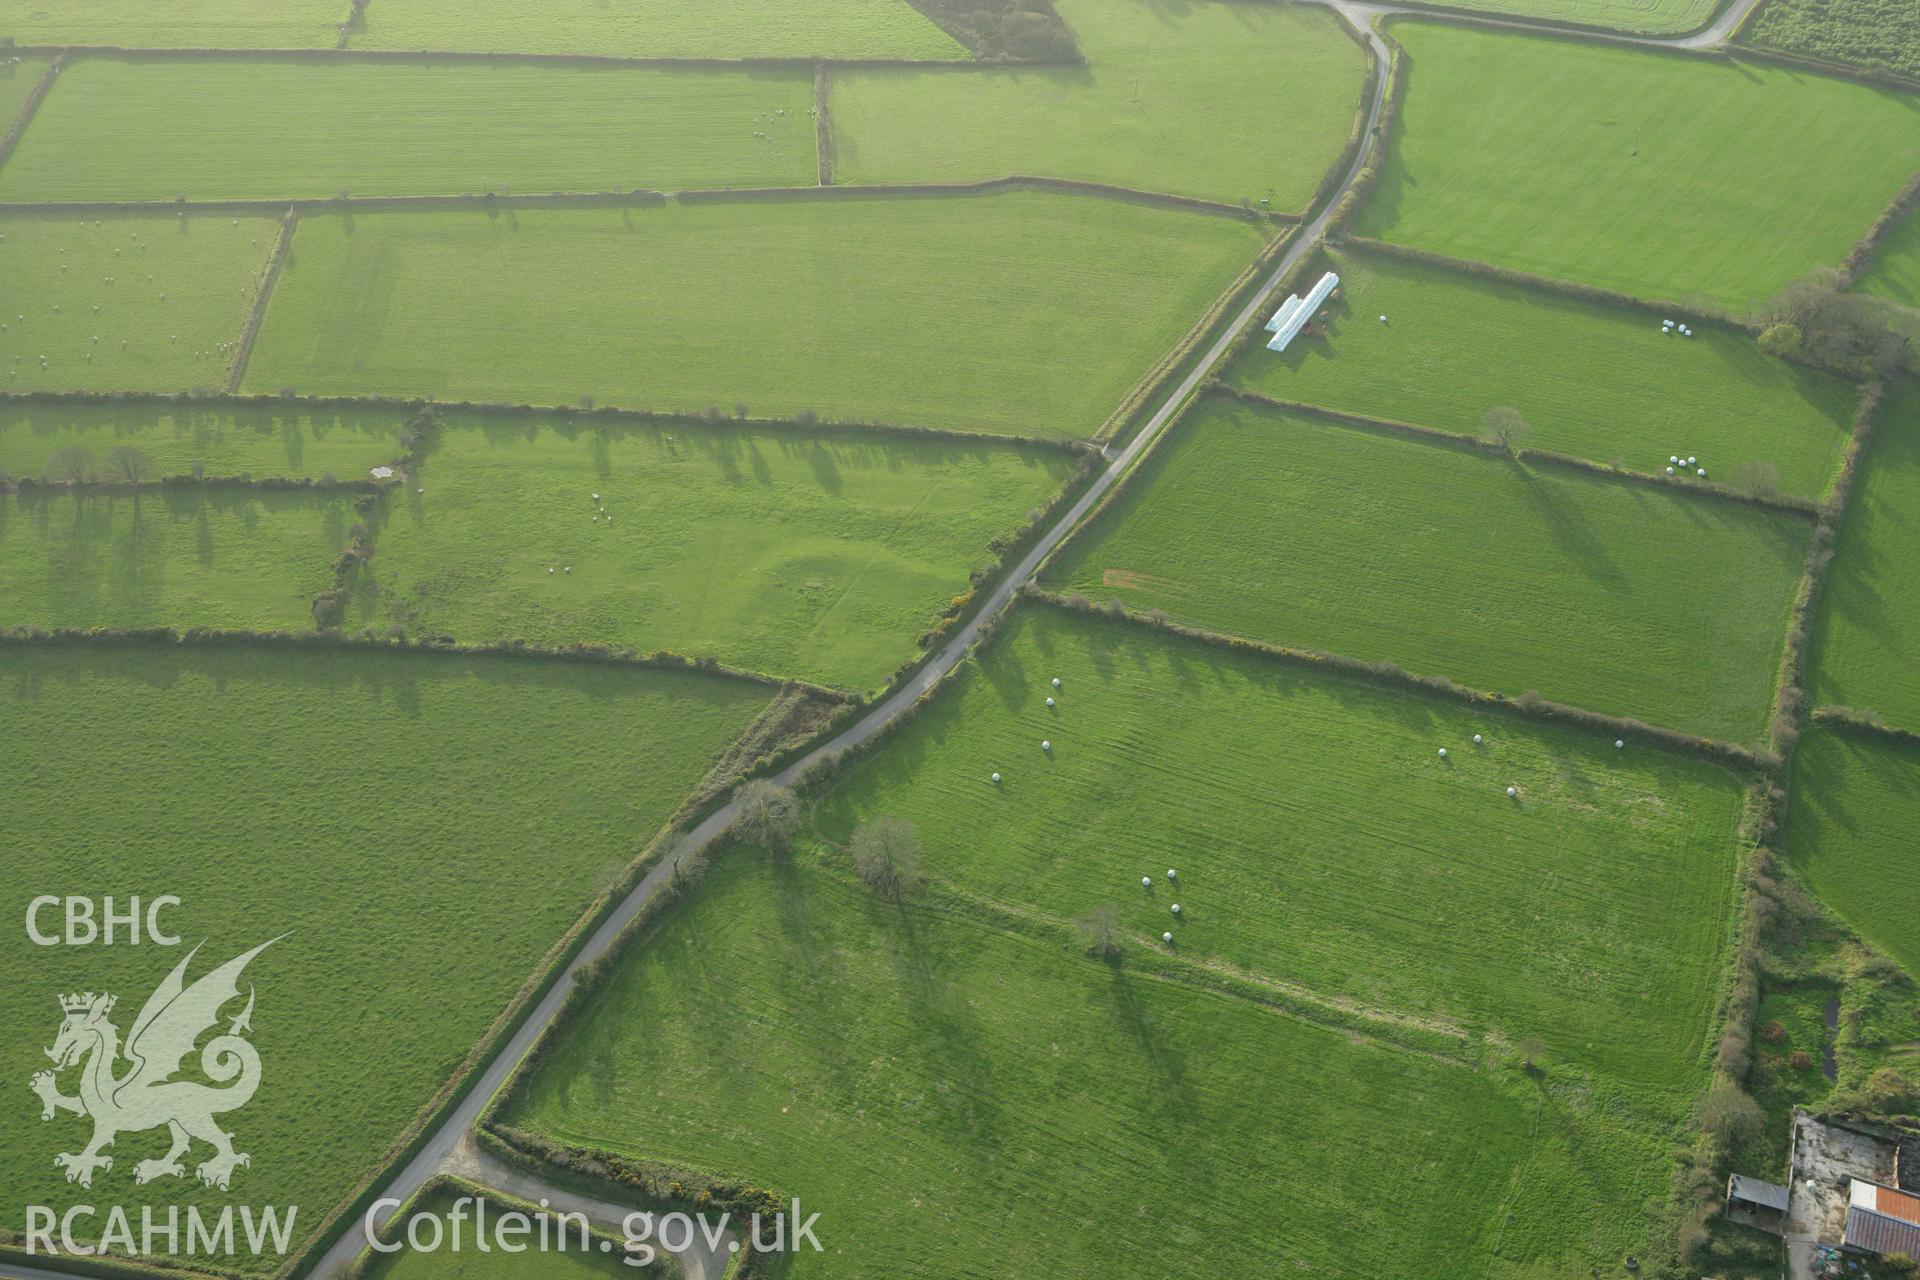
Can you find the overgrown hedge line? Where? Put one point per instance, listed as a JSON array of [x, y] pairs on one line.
[[347, 203], [217, 638], [1790, 697], [1357, 136], [987, 186], [243, 349], [1861, 256], [1802, 508], [35, 96], [1694, 311], [335, 54], [186, 480], [1565, 28], [1392, 675], [1865, 720], [1364, 182], [822, 126], [713, 416]]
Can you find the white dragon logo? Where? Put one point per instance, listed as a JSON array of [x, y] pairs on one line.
[[147, 1096]]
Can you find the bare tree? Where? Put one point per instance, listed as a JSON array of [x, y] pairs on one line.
[[1505, 427], [1100, 930], [886, 853], [128, 464], [769, 816], [72, 463]]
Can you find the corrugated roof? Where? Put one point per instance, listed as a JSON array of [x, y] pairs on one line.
[[1757, 1192], [1898, 1204], [1877, 1233]]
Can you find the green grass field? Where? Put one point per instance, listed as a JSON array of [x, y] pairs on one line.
[[189, 557], [1868, 33], [205, 24], [1856, 804], [1022, 312], [1867, 635], [1597, 382], [1724, 180], [1608, 595], [125, 303], [18, 75], [425, 828], [935, 1087], [270, 129], [1895, 272], [818, 556], [648, 29], [1323, 844], [1162, 105], [224, 440]]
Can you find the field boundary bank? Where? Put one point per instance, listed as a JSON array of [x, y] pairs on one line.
[[1865, 724], [1807, 509], [599, 414], [237, 366], [318, 53], [1389, 674], [1867, 248], [1422, 9], [33, 486], [641, 196], [584, 653], [1356, 192], [1790, 691], [24, 117], [822, 127]]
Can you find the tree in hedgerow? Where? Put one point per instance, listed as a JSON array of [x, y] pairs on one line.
[[1505, 427], [1781, 338], [128, 464], [769, 815], [886, 853], [72, 463]]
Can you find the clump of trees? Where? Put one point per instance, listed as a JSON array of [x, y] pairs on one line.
[[769, 816], [1819, 319], [886, 854]]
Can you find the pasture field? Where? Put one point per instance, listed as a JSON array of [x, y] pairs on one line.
[[204, 24], [1321, 841], [200, 556], [422, 827], [1849, 830], [928, 1082], [126, 303], [1026, 312], [18, 76], [1895, 272], [648, 29], [1597, 382], [817, 556], [1868, 33], [1697, 177], [137, 129], [224, 440], [1617, 597], [1160, 106], [1867, 636]]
